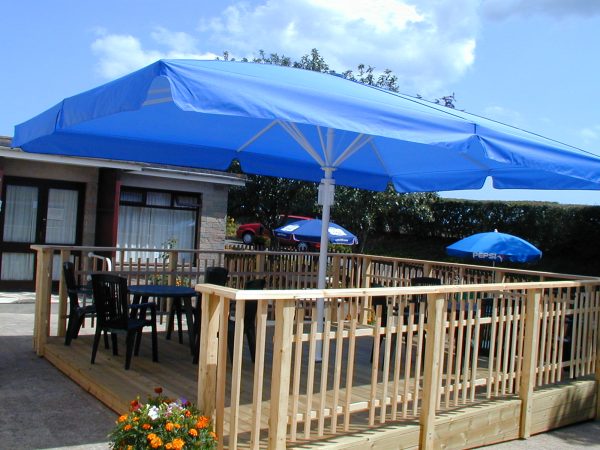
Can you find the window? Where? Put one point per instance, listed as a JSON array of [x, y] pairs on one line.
[[155, 220]]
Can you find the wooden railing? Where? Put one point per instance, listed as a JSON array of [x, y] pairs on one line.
[[486, 333], [441, 348]]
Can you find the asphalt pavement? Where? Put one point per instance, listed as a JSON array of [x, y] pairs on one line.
[[40, 408]]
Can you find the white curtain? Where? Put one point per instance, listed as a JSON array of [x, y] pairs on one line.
[[61, 221], [20, 220], [154, 228], [21, 213]]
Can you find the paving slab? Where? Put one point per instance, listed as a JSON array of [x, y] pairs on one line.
[[40, 408]]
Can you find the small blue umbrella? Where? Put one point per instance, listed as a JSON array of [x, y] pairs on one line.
[[495, 247], [310, 231]]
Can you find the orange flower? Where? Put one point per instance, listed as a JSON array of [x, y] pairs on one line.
[[151, 436], [169, 426], [168, 446], [213, 435], [123, 418], [155, 442], [193, 432], [202, 422], [187, 413], [128, 427], [178, 443], [147, 426], [177, 425]]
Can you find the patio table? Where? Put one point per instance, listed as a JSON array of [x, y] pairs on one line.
[[180, 294]]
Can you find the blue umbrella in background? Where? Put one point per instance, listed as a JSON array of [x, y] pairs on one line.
[[495, 247], [309, 231]]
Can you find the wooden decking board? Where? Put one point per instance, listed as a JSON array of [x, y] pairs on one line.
[[112, 384]]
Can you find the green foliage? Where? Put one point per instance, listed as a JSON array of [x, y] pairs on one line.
[[264, 199], [163, 423], [230, 227]]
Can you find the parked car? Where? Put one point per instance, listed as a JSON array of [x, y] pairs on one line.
[[248, 232]]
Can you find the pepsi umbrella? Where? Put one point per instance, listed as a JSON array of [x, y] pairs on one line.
[[495, 247], [310, 231], [300, 124]]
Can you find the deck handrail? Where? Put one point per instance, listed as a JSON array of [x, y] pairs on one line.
[[425, 359]]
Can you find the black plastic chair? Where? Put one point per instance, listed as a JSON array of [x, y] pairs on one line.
[[77, 312], [421, 298], [212, 275], [116, 316], [250, 309]]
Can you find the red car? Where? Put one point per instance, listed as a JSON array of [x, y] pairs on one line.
[[249, 231]]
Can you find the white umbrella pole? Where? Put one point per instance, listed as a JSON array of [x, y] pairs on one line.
[[326, 190]]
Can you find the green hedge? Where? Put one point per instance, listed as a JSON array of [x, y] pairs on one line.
[[568, 235]]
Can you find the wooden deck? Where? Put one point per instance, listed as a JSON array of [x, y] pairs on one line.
[[108, 381]]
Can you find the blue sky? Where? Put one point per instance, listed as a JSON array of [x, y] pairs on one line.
[[529, 63]]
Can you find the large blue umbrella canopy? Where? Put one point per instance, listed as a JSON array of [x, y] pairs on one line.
[[300, 124], [495, 247], [296, 123], [309, 230]]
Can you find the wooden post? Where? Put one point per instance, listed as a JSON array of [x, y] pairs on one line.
[[172, 268], [281, 376], [62, 296], [530, 348], [431, 374], [593, 291], [208, 360], [43, 291], [427, 270], [335, 275], [363, 315], [499, 276], [260, 264]]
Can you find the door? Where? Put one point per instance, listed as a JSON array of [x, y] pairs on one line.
[[36, 212]]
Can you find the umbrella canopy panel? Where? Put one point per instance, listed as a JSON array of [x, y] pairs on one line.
[[496, 247]]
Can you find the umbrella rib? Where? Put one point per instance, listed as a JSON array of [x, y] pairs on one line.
[[359, 142], [256, 136], [297, 135], [321, 138], [379, 158]]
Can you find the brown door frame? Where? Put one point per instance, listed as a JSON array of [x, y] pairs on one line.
[[44, 187]]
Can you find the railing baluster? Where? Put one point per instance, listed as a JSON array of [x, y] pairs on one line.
[[280, 380]]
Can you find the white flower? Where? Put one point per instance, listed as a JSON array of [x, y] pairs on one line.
[[153, 413]]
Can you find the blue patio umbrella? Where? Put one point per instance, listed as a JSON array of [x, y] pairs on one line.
[[495, 247], [300, 124], [309, 230]]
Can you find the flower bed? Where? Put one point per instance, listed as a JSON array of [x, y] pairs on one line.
[[163, 423]]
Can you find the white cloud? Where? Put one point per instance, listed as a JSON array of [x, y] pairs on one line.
[[590, 135], [502, 9], [120, 54], [427, 43]]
